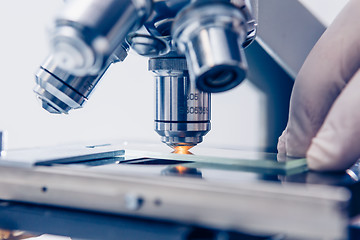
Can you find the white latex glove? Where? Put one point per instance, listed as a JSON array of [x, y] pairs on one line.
[[324, 120]]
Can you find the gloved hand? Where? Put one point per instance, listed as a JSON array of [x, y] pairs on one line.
[[324, 120]]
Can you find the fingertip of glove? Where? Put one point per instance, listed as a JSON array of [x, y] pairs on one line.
[[315, 162], [323, 156], [281, 146]]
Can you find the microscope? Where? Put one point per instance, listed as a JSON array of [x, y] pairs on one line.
[[195, 48]]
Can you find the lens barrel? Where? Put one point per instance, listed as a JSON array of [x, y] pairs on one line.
[[182, 115]]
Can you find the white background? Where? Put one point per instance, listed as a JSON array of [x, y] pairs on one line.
[[123, 104]]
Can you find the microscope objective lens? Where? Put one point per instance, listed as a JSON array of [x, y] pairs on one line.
[[182, 111]]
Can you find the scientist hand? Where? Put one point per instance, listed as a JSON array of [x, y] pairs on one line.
[[324, 121]]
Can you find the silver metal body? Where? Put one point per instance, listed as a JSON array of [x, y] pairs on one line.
[[61, 92], [87, 32], [182, 114], [212, 36], [206, 38]]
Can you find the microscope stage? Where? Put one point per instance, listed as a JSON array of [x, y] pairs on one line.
[[218, 188], [76, 154]]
